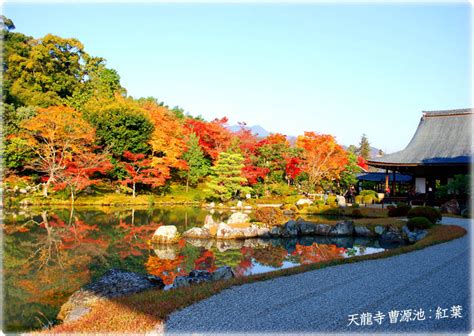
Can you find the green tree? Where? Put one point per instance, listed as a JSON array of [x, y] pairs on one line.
[[198, 165], [348, 177], [121, 125], [364, 147], [226, 181]]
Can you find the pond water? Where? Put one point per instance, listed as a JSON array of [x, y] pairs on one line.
[[50, 253]]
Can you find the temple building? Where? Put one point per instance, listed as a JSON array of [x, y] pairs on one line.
[[440, 149]]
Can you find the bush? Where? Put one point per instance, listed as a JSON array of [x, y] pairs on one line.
[[420, 223], [432, 214], [270, 216], [401, 210], [372, 193], [316, 209], [331, 200], [358, 199], [367, 199], [355, 205]]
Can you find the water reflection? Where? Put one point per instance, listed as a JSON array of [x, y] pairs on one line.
[[50, 253]]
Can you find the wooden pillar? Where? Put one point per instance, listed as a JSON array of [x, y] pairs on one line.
[[386, 179], [393, 183]]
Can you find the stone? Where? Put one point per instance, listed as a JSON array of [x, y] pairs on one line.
[[239, 204], [197, 233], [23, 191], [304, 201], [113, 283], [306, 228], [413, 236], [212, 205], [322, 229], [450, 207], [250, 232], [391, 237], [342, 229], [362, 231], [180, 281], [248, 196], [290, 229], [222, 273], [379, 229], [208, 222], [238, 218], [263, 232], [276, 231], [341, 201], [224, 231], [166, 234]]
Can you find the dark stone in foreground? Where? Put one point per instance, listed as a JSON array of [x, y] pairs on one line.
[[112, 284]]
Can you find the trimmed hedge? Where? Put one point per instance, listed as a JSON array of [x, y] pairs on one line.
[[420, 223], [399, 211], [367, 199], [432, 214]]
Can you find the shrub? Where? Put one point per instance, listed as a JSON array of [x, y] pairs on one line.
[[420, 223], [316, 209], [331, 200], [432, 214], [372, 193], [355, 205], [358, 199], [401, 210], [367, 199], [270, 216]]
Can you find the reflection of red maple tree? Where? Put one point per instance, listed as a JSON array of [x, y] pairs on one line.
[[134, 242], [206, 261], [317, 253], [166, 269]]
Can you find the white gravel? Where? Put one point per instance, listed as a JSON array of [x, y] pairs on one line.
[[322, 300]]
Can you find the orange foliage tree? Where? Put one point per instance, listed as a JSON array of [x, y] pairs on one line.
[[323, 158], [141, 170], [55, 134]]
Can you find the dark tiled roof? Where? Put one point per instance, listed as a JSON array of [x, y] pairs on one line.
[[442, 137], [380, 177]]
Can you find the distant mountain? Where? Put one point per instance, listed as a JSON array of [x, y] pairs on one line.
[[256, 129], [262, 132]]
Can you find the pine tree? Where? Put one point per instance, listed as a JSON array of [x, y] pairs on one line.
[[198, 165], [226, 181], [364, 147]]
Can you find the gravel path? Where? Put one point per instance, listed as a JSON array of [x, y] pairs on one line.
[[322, 300]]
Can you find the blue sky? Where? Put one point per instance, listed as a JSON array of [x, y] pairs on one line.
[[338, 69]]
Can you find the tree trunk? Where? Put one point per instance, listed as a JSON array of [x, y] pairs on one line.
[[187, 184], [134, 189], [72, 197]]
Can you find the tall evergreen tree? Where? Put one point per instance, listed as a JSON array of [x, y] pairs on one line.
[[364, 147], [226, 181], [198, 165]]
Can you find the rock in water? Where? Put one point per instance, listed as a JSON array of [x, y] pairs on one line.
[[290, 229], [379, 229], [224, 231], [341, 229], [391, 237], [166, 234], [362, 231], [323, 229], [197, 233], [238, 218]]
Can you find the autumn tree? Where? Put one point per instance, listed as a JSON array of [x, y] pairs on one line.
[[55, 134], [80, 170], [167, 141], [197, 164], [348, 176], [226, 181], [141, 171], [323, 158], [214, 137]]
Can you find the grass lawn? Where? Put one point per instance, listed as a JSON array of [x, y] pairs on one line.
[[148, 310]]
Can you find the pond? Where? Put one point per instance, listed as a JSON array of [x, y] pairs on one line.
[[50, 253]]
